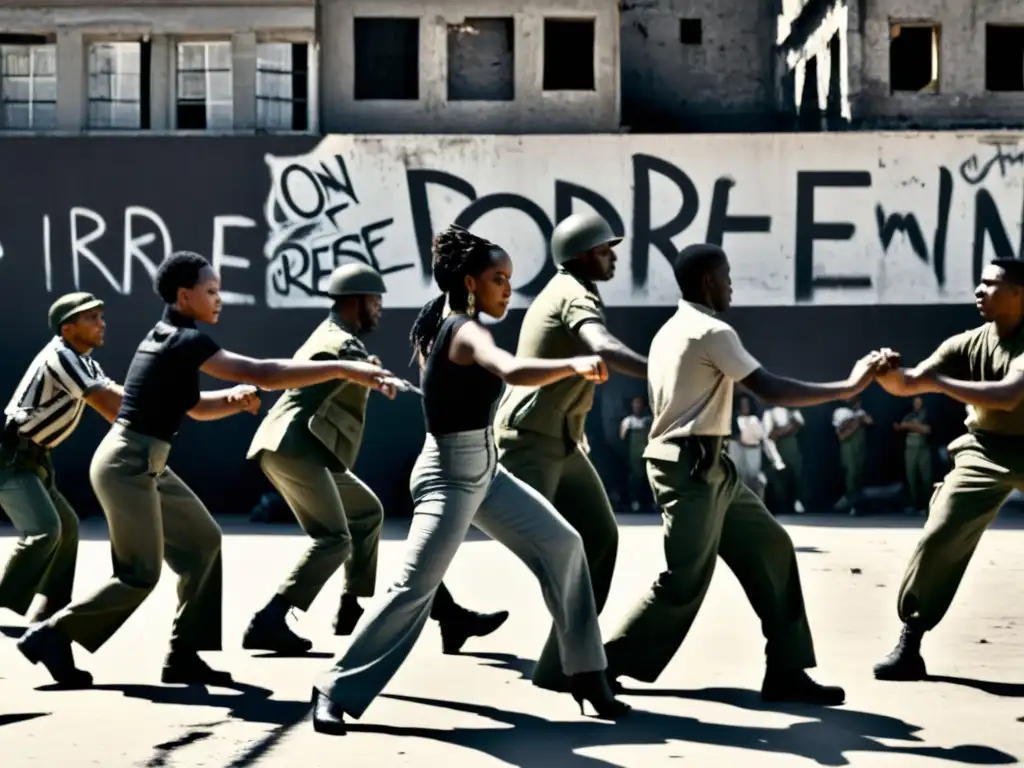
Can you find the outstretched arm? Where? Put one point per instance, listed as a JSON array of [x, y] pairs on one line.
[[106, 400], [472, 343], [274, 374], [617, 355], [779, 390], [221, 403]]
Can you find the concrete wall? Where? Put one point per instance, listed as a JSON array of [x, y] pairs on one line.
[[961, 98], [532, 111], [894, 234], [76, 24], [726, 82]]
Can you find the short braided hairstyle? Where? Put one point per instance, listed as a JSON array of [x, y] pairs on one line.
[[457, 252]]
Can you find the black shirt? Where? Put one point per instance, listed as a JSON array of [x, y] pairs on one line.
[[162, 384], [456, 398]]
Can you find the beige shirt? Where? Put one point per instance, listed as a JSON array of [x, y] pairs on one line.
[[779, 418], [751, 431], [693, 362]]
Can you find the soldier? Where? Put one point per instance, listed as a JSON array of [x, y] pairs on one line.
[[984, 369], [917, 457], [539, 429], [46, 408], [633, 432], [307, 445], [850, 423], [696, 358], [782, 425]]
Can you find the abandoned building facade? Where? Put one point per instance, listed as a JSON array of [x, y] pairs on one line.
[[517, 66]]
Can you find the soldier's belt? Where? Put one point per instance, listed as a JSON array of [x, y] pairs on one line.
[[17, 451]]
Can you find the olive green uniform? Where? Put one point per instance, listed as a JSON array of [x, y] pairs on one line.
[[988, 464], [852, 454], [46, 555], [306, 445], [539, 432], [917, 458], [636, 442]]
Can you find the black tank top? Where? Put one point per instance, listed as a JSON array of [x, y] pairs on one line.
[[456, 398]]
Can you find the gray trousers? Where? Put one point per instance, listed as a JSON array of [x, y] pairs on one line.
[[44, 559], [153, 518], [455, 482]]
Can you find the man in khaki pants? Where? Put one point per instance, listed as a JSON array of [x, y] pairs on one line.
[[539, 430], [307, 445], [695, 359], [46, 408]]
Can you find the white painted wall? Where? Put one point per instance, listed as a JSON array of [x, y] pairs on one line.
[[901, 172]]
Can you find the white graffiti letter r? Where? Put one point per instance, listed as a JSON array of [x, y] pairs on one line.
[[133, 245], [80, 246]]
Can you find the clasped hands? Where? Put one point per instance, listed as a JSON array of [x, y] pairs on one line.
[[883, 366], [246, 397]]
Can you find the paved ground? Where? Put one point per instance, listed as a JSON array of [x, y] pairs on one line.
[[477, 709]]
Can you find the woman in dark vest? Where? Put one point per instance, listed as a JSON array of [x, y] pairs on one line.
[[152, 515], [457, 481]]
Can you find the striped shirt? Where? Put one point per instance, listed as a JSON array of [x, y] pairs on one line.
[[48, 403]]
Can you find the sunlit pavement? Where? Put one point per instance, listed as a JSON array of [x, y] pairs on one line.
[[477, 709]]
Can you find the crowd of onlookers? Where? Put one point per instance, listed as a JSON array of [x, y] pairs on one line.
[[767, 447]]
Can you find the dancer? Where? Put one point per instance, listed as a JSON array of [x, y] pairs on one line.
[[984, 369], [46, 408], [457, 481], [696, 358], [307, 446], [539, 427], [151, 513]]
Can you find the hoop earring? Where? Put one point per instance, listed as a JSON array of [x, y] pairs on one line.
[[471, 304]]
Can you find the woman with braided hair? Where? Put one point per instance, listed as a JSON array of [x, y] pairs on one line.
[[457, 481]]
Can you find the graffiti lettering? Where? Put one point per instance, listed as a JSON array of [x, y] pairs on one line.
[[309, 237], [973, 171], [808, 230], [908, 225], [886, 224], [88, 239]]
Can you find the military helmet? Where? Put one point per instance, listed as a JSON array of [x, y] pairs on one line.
[[577, 234], [355, 280]]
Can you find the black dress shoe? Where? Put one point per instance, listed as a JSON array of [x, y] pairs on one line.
[[349, 613], [270, 632], [458, 628], [42, 644], [328, 717], [184, 667], [797, 687]]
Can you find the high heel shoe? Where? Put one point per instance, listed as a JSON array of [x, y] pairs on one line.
[[593, 687]]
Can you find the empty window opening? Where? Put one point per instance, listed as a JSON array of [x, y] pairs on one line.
[[1004, 58], [914, 57], [28, 82], [481, 60], [568, 55], [387, 56], [205, 100], [691, 32], [282, 86], [119, 85]]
